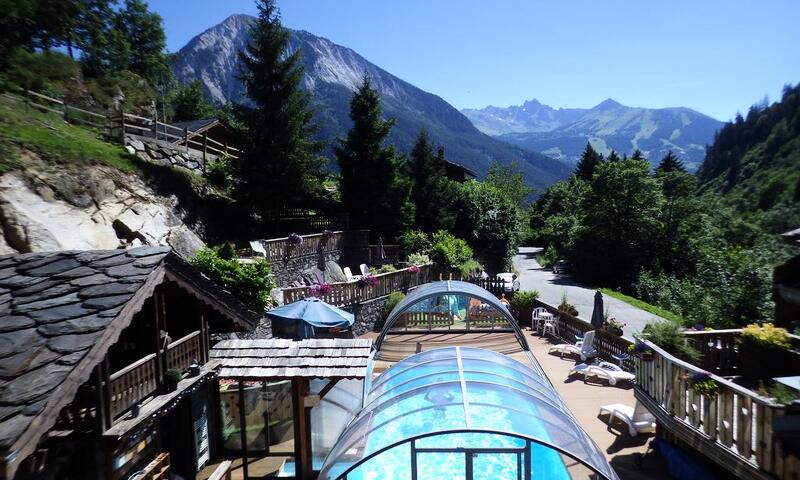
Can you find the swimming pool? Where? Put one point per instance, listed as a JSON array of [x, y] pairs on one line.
[[461, 413]]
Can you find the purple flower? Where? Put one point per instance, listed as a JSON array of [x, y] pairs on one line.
[[413, 269], [368, 280], [294, 239], [328, 233], [699, 327], [642, 347], [700, 376]]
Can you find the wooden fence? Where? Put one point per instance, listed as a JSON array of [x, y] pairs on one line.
[[278, 249], [719, 350], [734, 428], [349, 293], [391, 254], [116, 125]]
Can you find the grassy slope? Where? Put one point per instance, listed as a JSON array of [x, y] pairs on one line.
[[644, 306], [54, 140]]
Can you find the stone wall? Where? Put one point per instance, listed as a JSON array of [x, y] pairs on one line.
[[293, 269], [164, 153], [369, 315]]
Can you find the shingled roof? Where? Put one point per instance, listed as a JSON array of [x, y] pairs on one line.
[[59, 314]]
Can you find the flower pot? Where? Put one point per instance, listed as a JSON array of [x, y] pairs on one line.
[[646, 356]]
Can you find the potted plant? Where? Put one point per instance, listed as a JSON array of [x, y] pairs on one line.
[[413, 269], [760, 350], [642, 350], [294, 239], [567, 307], [703, 384], [320, 289], [612, 325], [171, 379], [368, 280]]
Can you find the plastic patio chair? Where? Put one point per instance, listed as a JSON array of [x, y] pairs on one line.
[[364, 269], [583, 349], [637, 418]]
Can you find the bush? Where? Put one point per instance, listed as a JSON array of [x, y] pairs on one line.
[[524, 299], [250, 283], [766, 335], [449, 252], [393, 300], [387, 268], [419, 259], [567, 307], [760, 351], [469, 269], [219, 173], [669, 336], [415, 242]]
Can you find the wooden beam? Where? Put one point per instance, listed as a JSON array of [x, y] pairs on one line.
[[157, 320], [243, 428], [327, 388]]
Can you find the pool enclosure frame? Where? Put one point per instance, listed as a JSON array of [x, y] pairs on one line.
[[456, 288], [533, 413]]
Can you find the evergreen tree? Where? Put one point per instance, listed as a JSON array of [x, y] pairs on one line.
[[145, 35], [670, 163], [373, 186], [281, 165], [430, 187], [189, 103], [588, 162], [103, 46], [637, 155]]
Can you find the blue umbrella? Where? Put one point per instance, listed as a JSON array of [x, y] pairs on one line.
[[301, 318]]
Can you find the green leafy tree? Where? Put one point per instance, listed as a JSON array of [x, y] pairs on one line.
[[431, 190], [249, 282], [144, 33], [490, 222], [590, 159], [374, 187], [509, 180], [448, 252], [190, 103], [281, 165]]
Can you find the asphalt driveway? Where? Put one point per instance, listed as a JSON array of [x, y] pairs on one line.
[[551, 288]]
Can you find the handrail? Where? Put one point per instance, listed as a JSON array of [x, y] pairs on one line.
[[133, 366], [183, 339], [222, 472], [694, 369]]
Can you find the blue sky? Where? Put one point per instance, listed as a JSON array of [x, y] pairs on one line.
[[716, 56]]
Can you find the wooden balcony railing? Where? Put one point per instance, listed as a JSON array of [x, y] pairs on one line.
[[349, 293], [222, 472], [133, 384], [279, 249], [734, 428], [140, 379], [719, 351], [184, 351]]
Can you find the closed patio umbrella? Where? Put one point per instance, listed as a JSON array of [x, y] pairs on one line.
[[381, 251], [597, 313], [307, 318]]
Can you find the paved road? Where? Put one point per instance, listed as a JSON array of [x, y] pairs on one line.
[[551, 287]]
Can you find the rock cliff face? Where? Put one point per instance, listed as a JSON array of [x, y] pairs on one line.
[[44, 209]]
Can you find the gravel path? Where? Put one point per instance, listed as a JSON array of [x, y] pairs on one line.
[[551, 287]]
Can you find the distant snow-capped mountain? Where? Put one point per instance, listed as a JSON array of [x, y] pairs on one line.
[[563, 133], [332, 74]]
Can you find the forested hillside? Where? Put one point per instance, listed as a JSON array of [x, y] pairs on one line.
[[702, 246]]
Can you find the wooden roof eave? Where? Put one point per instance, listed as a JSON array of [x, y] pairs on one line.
[[210, 294], [62, 395]]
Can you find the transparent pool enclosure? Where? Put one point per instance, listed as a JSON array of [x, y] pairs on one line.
[[463, 413]]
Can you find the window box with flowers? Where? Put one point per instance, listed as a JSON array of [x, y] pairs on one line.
[[612, 325], [320, 290], [413, 269], [368, 281], [642, 350], [702, 384]]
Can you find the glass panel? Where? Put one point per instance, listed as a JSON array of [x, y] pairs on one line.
[[391, 378], [547, 463], [383, 393], [497, 466], [279, 430], [471, 440], [330, 417], [441, 465], [394, 463], [229, 414]]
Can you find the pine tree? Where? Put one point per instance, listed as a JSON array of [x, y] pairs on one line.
[[190, 103], [430, 187], [586, 165], [613, 157], [144, 33], [282, 165], [637, 155], [670, 163], [373, 185]]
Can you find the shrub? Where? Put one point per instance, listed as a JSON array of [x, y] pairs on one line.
[[567, 307], [250, 283], [387, 268], [393, 300], [524, 299], [419, 259], [766, 335], [415, 242], [449, 252], [703, 384], [219, 172], [470, 268], [669, 336]]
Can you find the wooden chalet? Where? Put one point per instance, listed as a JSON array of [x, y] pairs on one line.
[[90, 344], [457, 172]]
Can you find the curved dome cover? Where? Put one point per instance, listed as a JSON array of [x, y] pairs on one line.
[[448, 287], [462, 397]]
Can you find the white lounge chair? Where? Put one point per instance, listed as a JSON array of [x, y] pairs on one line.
[[349, 275], [364, 269], [637, 418], [583, 349], [258, 248], [610, 372]]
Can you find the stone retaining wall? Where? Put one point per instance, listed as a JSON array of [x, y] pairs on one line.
[[293, 269], [164, 153]]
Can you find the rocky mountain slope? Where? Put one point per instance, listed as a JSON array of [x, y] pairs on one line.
[[563, 133], [47, 209], [332, 73]]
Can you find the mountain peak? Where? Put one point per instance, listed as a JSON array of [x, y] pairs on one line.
[[606, 104]]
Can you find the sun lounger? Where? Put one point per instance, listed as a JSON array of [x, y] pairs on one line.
[[349, 275], [258, 248], [608, 371], [637, 418], [583, 349]]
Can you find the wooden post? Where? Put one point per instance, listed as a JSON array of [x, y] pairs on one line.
[[302, 430], [66, 115], [157, 316], [27, 101], [205, 148], [243, 428], [122, 124], [186, 137], [155, 127]]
